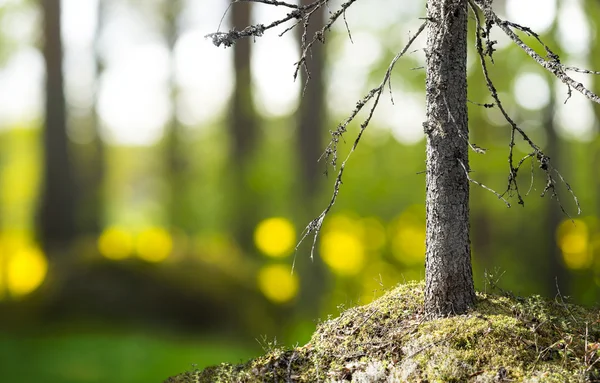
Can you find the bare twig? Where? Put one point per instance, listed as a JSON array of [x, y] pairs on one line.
[[542, 159], [461, 134], [330, 154], [299, 12], [467, 171], [552, 64]]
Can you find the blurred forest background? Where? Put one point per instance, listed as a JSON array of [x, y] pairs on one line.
[[153, 186]]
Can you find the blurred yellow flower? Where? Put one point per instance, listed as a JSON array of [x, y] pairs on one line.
[[154, 244], [343, 252], [275, 237], [115, 243], [573, 240], [277, 283], [25, 271]]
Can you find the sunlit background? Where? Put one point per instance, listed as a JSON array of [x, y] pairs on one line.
[[152, 227]]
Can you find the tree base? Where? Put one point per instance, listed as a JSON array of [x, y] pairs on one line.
[[503, 339]]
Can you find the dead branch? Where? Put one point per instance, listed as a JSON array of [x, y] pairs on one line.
[[551, 64], [330, 154], [467, 171], [301, 13], [542, 159], [227, 39]]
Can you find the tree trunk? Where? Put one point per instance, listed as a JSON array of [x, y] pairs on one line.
[[91, 174], [449, 277], [243, 128], [57, 212]]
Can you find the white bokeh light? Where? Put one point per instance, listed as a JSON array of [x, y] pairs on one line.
[[573, 28], [535, 14], [203, 75], [404, 118], [275, 91], [19, 25], [574, 120], [133, 98], [531, 91], [79, 20], [21, 93], [349, 72]]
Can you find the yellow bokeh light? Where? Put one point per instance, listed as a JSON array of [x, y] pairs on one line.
[[573, 240], [574, 243], [154, 244], [115, 243], [25, 271], [275, 237], [277, 283], [343, 252], [577, 261]]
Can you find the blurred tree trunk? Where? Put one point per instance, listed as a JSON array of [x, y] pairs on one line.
[[592, 9], [481, 215], [175, 152], [243, 126], [310, 124], [57, 211], [92, 175], [557, 274], [311, 116]]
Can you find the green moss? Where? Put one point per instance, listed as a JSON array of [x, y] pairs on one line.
[[504, 339]]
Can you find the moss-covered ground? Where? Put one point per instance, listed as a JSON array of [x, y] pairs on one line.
[[504, 339]]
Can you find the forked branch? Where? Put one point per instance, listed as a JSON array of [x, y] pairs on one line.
[[330, 154], [552, 63], [554, 66], [301, 14]]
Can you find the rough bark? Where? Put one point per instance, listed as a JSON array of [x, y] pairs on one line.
[[57, 211], [449, 279]]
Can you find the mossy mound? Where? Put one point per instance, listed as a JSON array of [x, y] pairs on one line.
[[505, 339]]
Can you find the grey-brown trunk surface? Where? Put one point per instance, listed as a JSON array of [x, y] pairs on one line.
[[449, 278]]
